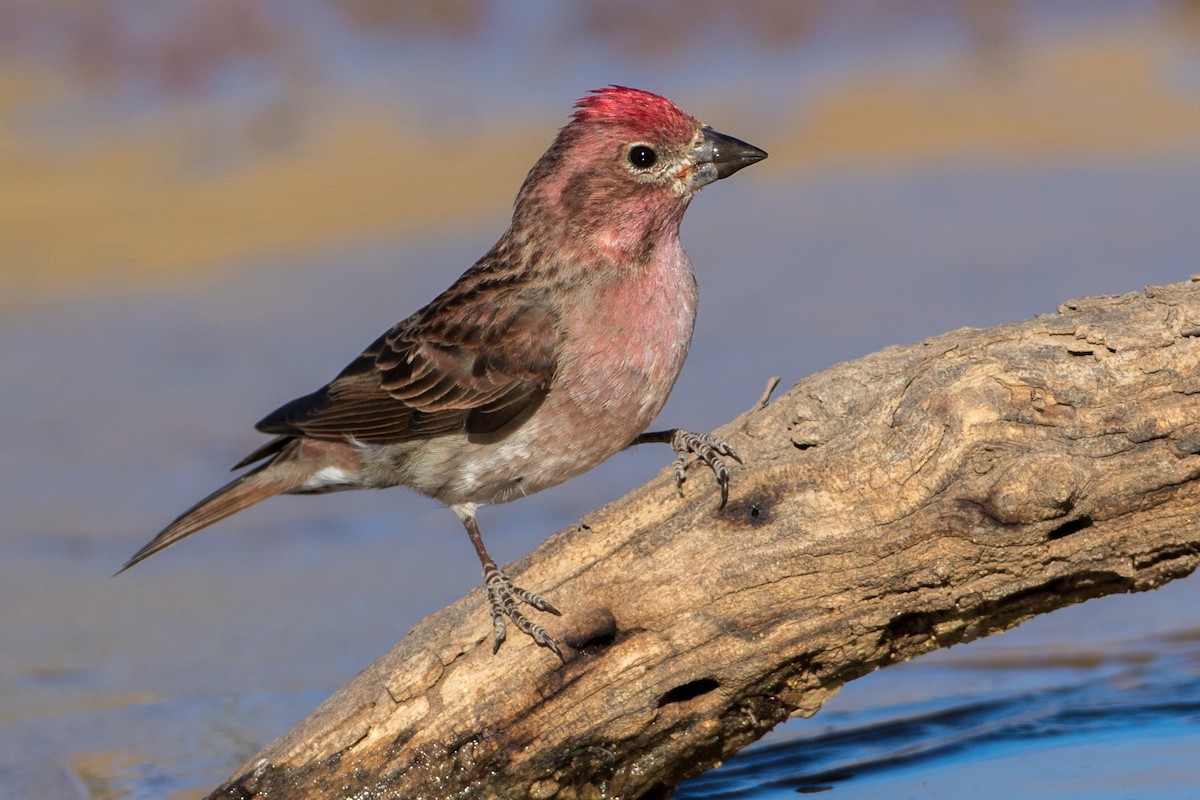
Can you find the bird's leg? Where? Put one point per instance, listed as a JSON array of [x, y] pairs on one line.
[[503, 597], [707, 447]]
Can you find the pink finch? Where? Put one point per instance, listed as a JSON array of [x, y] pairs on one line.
[[550, 354]]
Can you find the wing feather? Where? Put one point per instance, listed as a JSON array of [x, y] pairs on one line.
[[429, 376]]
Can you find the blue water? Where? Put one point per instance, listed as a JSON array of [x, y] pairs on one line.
[[1115, 735]]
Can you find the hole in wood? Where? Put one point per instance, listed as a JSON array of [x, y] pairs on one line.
[[598, 642], [688, 691], [1067, 528], [657, 792], [909, 623], [596, 632]]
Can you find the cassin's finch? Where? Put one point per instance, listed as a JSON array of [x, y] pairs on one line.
[[552, 353]]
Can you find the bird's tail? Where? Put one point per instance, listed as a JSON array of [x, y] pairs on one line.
[[238, 494]]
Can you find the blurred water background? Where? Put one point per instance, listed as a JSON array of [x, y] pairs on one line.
[[206, 208]]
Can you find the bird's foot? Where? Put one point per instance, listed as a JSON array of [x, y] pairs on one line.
[[707, 448], [502, 602]]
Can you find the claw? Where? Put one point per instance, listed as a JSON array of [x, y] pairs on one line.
[[680, 472], [708, 449], [502, 602], [497, 628], [535, 600]]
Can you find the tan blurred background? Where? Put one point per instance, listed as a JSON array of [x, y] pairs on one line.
[[146, 143]]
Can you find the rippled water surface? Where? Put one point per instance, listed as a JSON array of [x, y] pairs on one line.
[[208, 209], [1123, 722]]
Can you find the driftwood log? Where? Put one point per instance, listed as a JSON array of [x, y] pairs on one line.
[[913, 499]]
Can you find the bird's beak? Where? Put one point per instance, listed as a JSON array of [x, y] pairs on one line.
[[719, 156]]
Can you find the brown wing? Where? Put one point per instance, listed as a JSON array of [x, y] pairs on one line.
[[462, 371]]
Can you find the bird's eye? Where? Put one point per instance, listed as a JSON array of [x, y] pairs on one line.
[[642, 157]]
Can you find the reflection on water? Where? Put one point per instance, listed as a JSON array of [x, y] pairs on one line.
[[207, 210], [1141, 706]]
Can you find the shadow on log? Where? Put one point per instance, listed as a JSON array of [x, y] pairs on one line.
[[913, 499]]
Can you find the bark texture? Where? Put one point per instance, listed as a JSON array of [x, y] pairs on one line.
[[913, 499]]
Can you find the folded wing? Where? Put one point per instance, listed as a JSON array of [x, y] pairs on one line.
[[473, 376]]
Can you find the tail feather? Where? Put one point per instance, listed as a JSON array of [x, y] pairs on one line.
[[238, 494]]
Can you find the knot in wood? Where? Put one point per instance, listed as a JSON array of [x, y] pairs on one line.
[[1035, 488], [1187, 440]]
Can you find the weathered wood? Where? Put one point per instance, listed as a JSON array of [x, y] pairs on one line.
[[916, 498]]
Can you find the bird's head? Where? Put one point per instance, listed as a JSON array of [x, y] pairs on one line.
[[624, 169], [655, 143]]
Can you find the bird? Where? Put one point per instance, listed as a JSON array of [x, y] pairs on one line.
[[553, 352]]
